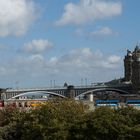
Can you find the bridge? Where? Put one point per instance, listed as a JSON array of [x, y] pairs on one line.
[[89, 93], [70, 91]]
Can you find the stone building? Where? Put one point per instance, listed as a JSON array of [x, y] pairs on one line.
[[132, 68], [128, 66]]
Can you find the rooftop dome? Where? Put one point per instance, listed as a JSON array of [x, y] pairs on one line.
[[129, 53]]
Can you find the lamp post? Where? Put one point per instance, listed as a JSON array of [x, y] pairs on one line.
[[86, 82]]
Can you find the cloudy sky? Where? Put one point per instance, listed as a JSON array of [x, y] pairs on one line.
[[43, 42]]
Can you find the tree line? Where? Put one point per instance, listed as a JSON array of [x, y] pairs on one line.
[[69, 120]]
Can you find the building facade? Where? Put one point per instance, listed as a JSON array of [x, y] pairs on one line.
[[132, 68], [128, 66]]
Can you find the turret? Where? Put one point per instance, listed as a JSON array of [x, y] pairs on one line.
[[136, 69], [128, 66]]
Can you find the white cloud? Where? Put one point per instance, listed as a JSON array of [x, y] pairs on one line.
[[37, 46], [88, 11], [16, 16], [76, 64], [36, 58], [53, 61], [114, 59], [103, 31], [86, 52], [85, 57]]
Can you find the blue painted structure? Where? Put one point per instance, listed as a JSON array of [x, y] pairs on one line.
[[106, 102], [133, 102]]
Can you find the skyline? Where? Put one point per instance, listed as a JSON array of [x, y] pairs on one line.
[[66, 41]]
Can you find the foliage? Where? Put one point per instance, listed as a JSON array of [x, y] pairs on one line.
[[69, 120]]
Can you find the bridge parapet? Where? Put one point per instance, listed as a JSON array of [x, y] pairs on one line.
[[34, 89], [76, 91]]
